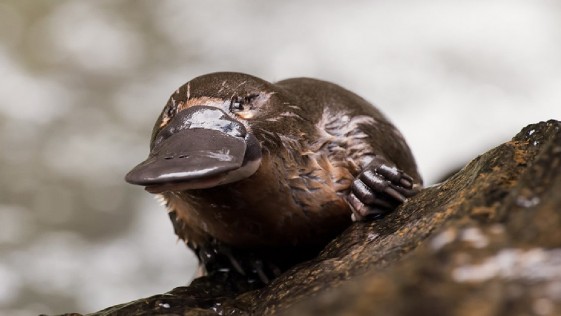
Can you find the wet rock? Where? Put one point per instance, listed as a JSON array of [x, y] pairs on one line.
[[485, 242]]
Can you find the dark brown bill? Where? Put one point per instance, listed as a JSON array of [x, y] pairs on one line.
[[192, 156]]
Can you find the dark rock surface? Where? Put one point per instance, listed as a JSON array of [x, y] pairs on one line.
[[485, 242]]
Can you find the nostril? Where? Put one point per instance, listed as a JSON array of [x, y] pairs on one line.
[[183, 156], [169, 157]]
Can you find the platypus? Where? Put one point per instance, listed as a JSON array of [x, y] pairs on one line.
[[258, 176]]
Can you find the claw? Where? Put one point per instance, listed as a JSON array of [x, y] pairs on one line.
[[233, 261], [257, 266], [395, 194], [406, 182]]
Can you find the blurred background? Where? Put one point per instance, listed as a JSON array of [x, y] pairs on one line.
[[83, 82]]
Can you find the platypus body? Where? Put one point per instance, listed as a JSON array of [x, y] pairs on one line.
[[258, 176]]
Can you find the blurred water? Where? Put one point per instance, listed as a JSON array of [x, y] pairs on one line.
[[83, 82]]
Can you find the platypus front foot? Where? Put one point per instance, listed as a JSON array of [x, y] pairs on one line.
[[217, 257], [378, 189]]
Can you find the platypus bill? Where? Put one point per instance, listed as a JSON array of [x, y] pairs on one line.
[[258, 176]]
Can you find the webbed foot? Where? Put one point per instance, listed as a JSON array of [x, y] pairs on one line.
[[218, 257], [255, 267], [378, 189]]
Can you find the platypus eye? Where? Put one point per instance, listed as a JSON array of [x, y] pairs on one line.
[[242, 104], [236, 105]]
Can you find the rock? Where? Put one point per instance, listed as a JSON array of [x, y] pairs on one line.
[[485, 242]]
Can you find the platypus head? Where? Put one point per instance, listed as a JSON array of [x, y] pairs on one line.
[[205, 135]]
